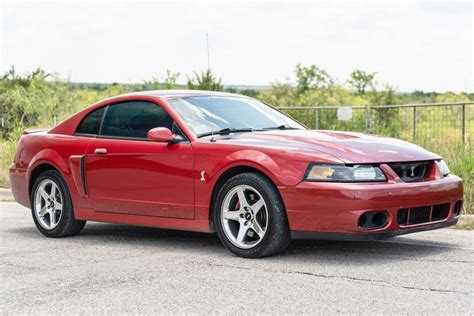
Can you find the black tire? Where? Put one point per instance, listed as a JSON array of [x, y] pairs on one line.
[[277, 237], [67, 225]]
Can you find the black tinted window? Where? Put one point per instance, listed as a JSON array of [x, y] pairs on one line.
[[134, 119], [91, 123]]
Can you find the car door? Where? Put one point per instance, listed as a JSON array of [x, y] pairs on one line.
[[127, 173]]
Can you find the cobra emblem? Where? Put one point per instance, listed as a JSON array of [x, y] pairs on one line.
[[412, 171]]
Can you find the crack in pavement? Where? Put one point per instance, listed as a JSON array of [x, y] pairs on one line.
[[384, 255], [422, 244], [360, 280], [18, 266]]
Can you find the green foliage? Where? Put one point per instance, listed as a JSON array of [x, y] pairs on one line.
[[312, 77], [248, 92], [451, 97], [385, 96], [280, 94], [460, 159], [7, 150], [387, 119], [361, 80], [27, 100], [168, 82], [204, 81]]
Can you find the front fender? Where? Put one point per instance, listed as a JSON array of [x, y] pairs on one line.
[[210, 167], [248, 158]]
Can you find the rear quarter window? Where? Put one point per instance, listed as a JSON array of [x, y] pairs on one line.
[[90, 125]]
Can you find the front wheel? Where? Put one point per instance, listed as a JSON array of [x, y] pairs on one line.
[[250, 217], [51, 206]]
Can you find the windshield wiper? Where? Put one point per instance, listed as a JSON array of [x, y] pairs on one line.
[[281, 127], [226, 131]]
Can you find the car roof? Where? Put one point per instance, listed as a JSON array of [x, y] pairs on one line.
[[168, 94]]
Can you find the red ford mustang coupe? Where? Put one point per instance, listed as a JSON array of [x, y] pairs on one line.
[[227, 163]]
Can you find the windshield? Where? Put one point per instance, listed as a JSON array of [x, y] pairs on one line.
[[204, 114]]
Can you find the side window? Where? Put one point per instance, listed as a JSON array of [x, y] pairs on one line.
[[91, 123], [134, 119]]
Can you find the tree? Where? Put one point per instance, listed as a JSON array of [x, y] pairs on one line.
[[312, 77], [361, 80], [168, 82], [29, 99], [279, 94], [16, 93], [387, 119], [385, 96], [204, 81], [452, 97]]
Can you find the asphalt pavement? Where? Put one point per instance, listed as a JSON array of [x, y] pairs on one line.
[[112, 268]]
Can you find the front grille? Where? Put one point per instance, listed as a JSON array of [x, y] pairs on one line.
[[423, 214], [419, 215], [440, 211], [411, 171]]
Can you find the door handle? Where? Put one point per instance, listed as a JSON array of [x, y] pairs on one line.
[[100, 151]]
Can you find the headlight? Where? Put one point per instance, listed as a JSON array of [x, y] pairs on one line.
[[343, 173], [443, 167]]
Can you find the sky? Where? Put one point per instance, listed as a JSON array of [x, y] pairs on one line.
[[410, 45]]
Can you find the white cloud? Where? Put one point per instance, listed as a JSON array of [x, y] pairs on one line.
[[410, 45]]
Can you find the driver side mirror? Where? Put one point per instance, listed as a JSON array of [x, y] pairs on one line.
[[163, 135]]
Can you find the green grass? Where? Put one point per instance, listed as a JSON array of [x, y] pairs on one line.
[[465, 224], [7, 150], [460, 159]]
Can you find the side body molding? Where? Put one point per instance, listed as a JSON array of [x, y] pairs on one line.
[[77, 164]]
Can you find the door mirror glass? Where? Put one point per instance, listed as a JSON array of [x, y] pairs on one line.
[[161, 134]]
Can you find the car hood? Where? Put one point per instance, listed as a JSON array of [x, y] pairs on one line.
[[348, 147]]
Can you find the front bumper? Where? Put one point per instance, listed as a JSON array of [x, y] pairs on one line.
[[370, 236], [326, 209]]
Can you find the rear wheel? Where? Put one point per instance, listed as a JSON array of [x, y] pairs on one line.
[[250, 217], [51, 206]]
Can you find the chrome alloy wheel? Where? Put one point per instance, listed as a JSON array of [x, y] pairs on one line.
[[48, 204], [244, 216]]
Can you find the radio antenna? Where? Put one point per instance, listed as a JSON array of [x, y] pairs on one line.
[[209, 76], [208, 65]]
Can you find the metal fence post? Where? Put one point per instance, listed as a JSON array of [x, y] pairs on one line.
[[414, 124], [463, 123], [366, 118], [370, 120], [430, 119], [316, 118]]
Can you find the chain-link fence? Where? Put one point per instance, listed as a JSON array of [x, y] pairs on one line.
[[418, 123]]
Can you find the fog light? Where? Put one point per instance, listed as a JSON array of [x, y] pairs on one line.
[[363, 220], [372, 220], [379, 219]]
